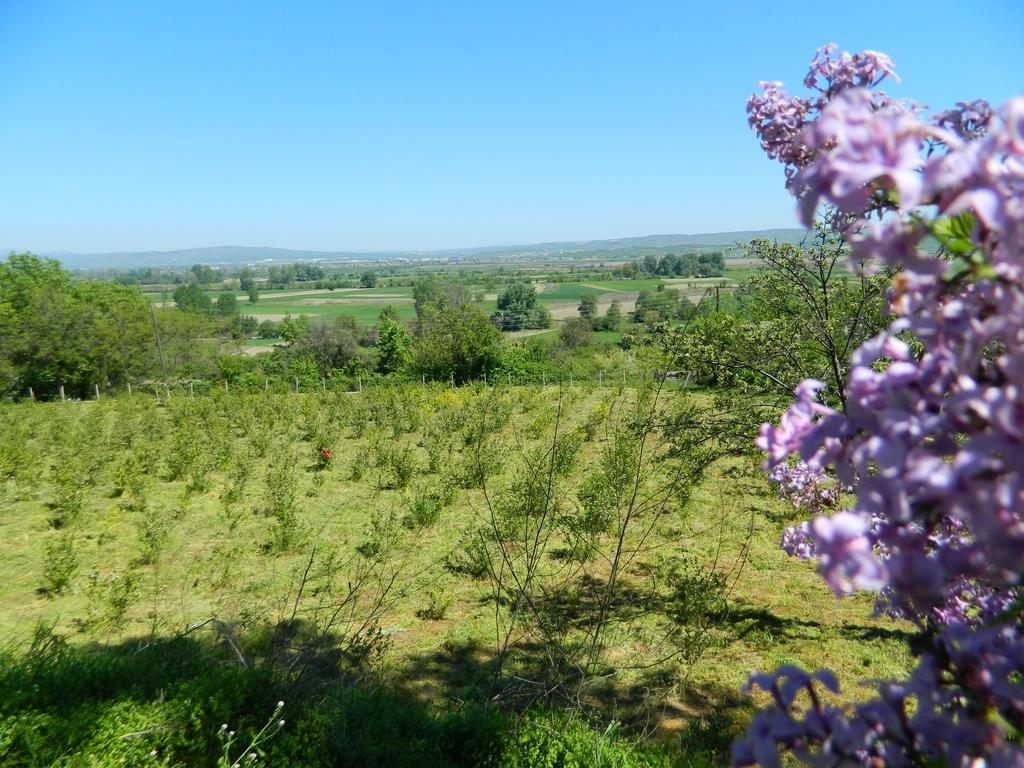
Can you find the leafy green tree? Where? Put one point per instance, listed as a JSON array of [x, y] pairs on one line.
[[191, 298], [455, 340], [662, 304], [427, 290], [269, 329], [588, 307], [254, 293], [245, 279], [576, 332], [227, 305], [204, 275], [55, 332], [800, 317], [294, 328], [612, 319], [518, 309], [368, 279], [393, 343], [331, 344]]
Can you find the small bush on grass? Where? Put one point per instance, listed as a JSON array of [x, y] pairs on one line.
[[60, 562]]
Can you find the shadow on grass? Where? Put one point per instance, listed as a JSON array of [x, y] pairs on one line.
[[748, 620], [175, 702]]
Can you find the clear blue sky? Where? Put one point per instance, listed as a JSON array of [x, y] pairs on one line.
[[338, 125]]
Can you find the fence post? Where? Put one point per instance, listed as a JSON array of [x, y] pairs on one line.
[[623, 377], [360, 383], [129, 387], [168, 388], [226, 390], [191, 391], [600, 378], [423, 378], [62, 393], [296, 385], [96, 388], [570, 378], [32, 394], [266, 384]]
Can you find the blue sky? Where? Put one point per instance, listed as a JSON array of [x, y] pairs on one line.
[[416, 125]]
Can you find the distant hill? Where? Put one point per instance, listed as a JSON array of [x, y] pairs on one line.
[[234, 255]]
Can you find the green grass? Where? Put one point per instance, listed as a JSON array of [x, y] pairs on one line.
[[568, 291], [212, 558], [262, 342], [366, 313]]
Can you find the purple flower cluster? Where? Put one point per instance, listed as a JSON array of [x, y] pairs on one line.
[[807, 488], [932, 439]]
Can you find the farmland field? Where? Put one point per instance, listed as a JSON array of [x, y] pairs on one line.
[[375, 534], [366, 304]]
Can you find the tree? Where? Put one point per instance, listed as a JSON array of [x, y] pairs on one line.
[[576, 332], [368, 279], [55, 332], [191, 298], [330, 344], [455, 341], [612, 319], [928, 438], [393, 343], [254, 294], [227, 305], [588, 307], [268, 329], [245, 280], [204, 275], [799, 317], [518, 309], [427, 290]]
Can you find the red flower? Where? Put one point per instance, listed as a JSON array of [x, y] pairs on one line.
[[325, 453]]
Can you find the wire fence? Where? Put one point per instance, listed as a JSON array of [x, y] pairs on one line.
[[191, 388]]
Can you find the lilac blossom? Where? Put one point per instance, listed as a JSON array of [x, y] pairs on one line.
[[931, 444]]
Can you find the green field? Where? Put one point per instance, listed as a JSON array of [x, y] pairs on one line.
[[366, 304], [129, 520]]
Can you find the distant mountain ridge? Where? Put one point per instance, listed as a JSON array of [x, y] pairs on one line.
[[235, 255]]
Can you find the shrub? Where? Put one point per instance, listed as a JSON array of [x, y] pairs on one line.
[[382, 535], [437, 606], [427, 505], [471, 555], [400, 466], [60, 562]]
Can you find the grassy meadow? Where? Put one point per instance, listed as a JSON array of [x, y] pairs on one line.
[[401, 558]]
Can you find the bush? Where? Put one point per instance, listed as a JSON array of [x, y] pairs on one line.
[[427, 505], [471, 555], [555, 740], [60, 562], [437, 606]]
